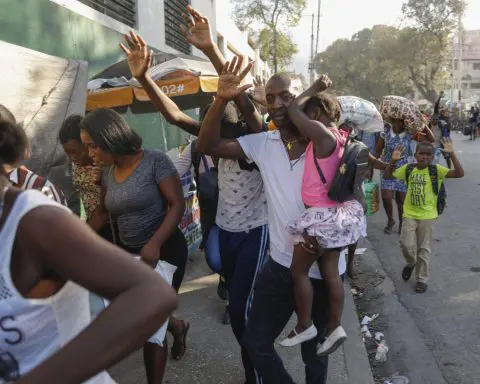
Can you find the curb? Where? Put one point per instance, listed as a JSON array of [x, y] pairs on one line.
[[355, 354], [408, 352]]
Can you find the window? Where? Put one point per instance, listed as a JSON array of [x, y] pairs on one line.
[[476, 66], [173, 19], [475, 86], [121, 10]]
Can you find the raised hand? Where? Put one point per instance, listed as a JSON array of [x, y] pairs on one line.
[[231, 77], [258, 92], [197, 29], [139, 57], [398, 153], [322, 83], [447, 145]]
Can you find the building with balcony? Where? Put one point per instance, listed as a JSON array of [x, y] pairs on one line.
[[470, 67]]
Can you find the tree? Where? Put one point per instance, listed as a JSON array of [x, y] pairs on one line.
[[274, 16], [367, 65], [283, 53], [426, 46]]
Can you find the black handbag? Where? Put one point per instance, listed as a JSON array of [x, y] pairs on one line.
[[347, 183]]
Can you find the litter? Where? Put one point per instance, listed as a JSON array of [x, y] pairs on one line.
[[367, 319], [379, 336], [360, 251], [397, 380], [382, 351], [354, 291], [366, 332]]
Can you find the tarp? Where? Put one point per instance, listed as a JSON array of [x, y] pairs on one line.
[[41, 91]]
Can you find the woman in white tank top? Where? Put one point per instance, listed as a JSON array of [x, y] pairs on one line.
[[48, 261]]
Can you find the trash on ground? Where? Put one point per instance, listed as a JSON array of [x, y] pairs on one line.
[[382, 351], [360, 251], [354, 291], [367, 319], [397, 380], [366, 332], [379, 336]]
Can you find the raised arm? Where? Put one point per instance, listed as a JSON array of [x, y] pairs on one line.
[[139, 60], [70, 252], [396, 156], [198, 33], [457, 172], [209, 140], [323, 139]]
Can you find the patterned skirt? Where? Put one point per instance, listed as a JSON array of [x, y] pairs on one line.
[[335, 227]]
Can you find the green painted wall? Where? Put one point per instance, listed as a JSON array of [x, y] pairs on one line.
[[46, 27]]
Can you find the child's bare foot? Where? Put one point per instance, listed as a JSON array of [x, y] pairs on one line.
[[299, 335]]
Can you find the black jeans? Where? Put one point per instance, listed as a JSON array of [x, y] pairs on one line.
[[273, 305], [174, 251]]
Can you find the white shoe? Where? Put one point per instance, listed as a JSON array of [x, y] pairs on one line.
[[335, 340], [308, 334]]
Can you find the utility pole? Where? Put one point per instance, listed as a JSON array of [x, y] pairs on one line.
[[318, 26], [460, 64], [310, 67]]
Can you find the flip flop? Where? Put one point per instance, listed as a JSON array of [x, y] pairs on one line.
[[389, 228], [407, 272], [421, 287], [180, 343]]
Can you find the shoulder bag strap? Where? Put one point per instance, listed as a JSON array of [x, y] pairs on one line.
[[319, 170], [433, 171]]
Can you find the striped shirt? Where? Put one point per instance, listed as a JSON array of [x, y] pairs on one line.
[[26, 179]]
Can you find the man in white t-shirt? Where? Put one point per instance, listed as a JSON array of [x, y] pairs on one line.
[[280, 156]]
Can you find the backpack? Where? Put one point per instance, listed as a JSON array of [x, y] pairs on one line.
[[207, 190], [347, 183], [440, 192]]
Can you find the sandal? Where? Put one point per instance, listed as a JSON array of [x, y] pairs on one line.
[[421, 287], [180, 342], [389, 228], [407, 272]]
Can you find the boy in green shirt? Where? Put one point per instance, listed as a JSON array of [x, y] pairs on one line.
[[420, 208]]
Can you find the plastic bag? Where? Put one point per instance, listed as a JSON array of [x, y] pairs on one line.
[[382, 351], [166, 270], [396, 107], [372, 197], [362, 114]]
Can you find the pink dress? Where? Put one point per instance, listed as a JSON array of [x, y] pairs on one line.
[[333, 224]]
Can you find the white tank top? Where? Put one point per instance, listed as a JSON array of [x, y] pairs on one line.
[[32, 330]]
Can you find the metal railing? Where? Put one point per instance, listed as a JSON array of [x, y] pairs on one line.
[[121, 10], [173, 18]]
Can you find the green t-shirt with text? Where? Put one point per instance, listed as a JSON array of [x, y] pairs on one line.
[[421, 201]]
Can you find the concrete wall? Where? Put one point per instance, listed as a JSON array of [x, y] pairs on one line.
[[232, 41]]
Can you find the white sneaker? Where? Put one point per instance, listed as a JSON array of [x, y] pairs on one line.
[[308, 334], [335, 340]]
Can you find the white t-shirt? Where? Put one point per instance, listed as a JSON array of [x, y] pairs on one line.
[[34, 329], [241, 200], [282, 181], [183, 163]]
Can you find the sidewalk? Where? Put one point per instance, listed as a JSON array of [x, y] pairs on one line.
[[212, 351]]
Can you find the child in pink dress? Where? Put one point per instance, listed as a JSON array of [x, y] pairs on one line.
[[326, 227]]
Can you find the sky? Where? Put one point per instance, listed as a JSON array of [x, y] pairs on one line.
[[343, 18]]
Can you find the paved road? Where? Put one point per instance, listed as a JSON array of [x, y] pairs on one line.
[[448, 315], [213, 353]]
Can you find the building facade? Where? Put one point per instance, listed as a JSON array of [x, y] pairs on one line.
[[469, 67], [90, 30]]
